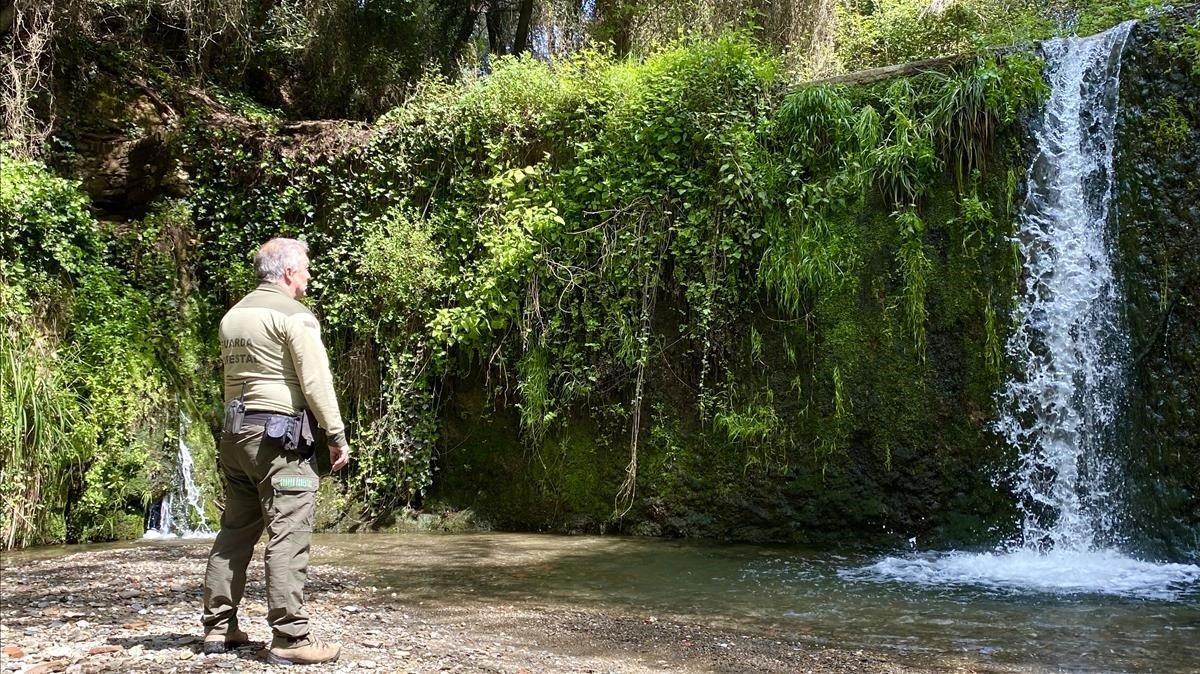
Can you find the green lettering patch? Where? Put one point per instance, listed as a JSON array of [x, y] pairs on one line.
[[295, 483]]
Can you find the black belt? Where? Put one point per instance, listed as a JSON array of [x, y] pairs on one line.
[[260, 418]]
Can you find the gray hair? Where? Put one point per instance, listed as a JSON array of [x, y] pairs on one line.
[[278, 255]]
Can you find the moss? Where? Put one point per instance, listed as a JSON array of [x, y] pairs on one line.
[[854, 393], [1168, 127], [799, 299], [565, 483], [1158, 178]]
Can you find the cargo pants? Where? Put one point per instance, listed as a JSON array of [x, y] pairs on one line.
[[265, 487]]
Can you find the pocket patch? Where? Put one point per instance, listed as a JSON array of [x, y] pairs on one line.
[[295, 483]]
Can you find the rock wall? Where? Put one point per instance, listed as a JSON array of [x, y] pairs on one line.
[[923, 460], [1159, 236], [888, 444], [833, 427]]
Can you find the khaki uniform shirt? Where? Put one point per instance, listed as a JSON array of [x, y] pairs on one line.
[[272, 344]]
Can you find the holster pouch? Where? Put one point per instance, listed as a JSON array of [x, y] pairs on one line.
[[293, 433], [280, 427], [235, 413]]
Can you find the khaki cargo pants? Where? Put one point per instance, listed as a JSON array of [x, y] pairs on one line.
[[265, 486]]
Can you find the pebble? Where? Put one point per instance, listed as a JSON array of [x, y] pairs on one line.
[[46, 667], [403, 634]]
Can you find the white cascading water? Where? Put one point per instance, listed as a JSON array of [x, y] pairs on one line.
[[183, 505], [1071, 346]]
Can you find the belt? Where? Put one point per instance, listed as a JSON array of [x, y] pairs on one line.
[[260, 418]]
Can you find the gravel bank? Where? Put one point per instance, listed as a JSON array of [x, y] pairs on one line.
[[137, 609]]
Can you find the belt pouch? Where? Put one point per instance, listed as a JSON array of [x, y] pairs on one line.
[[276, 428]]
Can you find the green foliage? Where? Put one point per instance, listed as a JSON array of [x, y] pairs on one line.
[[536, 412], [557, 226], [1169, 128], [489, 281], [399, 277], [48, 235], [875, 33], [1191, 44], [396, 443], [1093, 17], [755, 423], [98, 328], [44, 439], [916, 267]]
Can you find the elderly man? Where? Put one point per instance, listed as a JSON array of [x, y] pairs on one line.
[[277, 383]]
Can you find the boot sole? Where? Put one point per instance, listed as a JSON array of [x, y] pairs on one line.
[[279, 660]]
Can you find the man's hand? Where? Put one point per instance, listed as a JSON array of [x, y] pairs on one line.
[[339, 455]]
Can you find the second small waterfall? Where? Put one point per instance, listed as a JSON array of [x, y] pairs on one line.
[[181, 512], [1070, 347]]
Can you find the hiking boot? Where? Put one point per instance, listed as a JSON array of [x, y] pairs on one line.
[[220, 643], [307, 651]]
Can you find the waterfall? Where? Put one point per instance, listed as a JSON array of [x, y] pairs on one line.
[[1071, 350], [1071, 345], [183, 505]]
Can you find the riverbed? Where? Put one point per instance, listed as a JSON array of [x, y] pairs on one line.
[[490, 602]]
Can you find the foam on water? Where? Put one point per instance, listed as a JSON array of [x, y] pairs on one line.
[[1025, 571]]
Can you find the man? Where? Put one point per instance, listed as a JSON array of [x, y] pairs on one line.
[[275, 369]]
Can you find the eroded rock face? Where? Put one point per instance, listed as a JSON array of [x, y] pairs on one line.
[[1158, 211], [122, 141]]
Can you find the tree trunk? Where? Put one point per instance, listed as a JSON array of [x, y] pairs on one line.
[[466, 26], [495, 37], [614, 20], [521, 41], [8, 15]]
